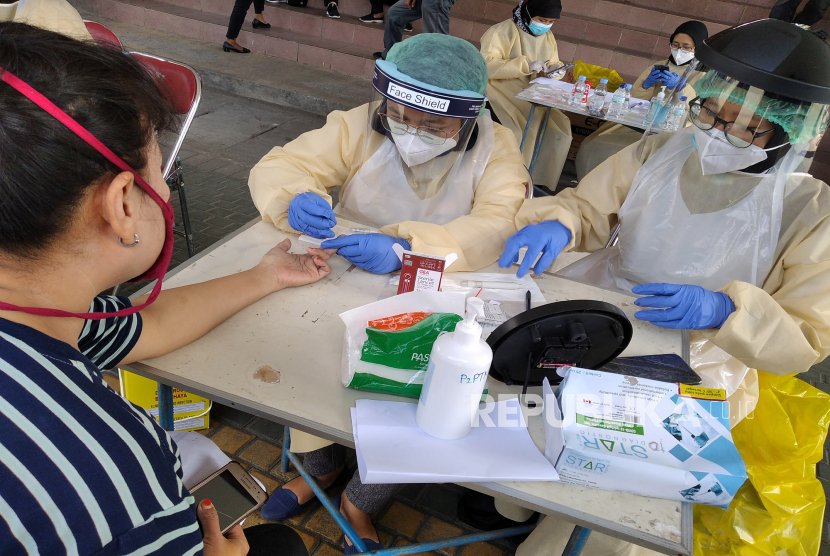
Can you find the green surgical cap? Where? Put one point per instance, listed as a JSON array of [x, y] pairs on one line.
[[442, 61], [798, 120]]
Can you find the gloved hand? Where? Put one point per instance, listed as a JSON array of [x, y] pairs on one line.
[[312, 215], [686, 307], [547, 238], [372, 252], [655, 76], [538, 67], [669, 79]]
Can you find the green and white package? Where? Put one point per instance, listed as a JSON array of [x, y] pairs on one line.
[[396, 362], [641, 436]]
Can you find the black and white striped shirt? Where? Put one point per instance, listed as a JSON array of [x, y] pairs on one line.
[[82, 471]]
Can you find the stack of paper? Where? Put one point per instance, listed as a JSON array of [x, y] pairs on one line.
[[391, 448]]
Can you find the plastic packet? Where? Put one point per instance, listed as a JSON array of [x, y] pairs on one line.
[[410, 347]]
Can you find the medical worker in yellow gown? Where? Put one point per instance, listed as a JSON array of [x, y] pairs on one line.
[[516, 52], [425, 164], [611, 138], [719, 232]]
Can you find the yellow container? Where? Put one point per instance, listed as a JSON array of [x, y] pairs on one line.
[[190, 412]]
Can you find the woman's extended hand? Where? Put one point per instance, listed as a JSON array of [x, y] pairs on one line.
[[288, 270]]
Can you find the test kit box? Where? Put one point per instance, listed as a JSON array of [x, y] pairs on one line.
[[420, 272], [190, 412], [644, 437]]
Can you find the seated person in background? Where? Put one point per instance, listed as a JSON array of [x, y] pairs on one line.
[[517, 51], [54, 15], [611, 138], [424, 163], [83, 471], [434, 173]]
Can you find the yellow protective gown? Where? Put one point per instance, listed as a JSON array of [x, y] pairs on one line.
[[611, 138], [782, 327], [54, 15], [322, 159], [508, 53]]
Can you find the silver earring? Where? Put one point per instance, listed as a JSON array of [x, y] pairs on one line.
[[133, 244]]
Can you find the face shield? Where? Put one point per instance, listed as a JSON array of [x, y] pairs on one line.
[[429, 127]]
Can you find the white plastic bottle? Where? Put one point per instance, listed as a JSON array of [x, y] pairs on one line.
[[598, 100], [627, 105], [458, 368], [678, 112], [586, 94], [579, 89], [656, 103], [616, 108]]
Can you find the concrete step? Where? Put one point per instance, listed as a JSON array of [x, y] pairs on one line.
[[258, 76]]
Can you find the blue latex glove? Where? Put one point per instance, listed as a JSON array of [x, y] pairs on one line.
[[312, 215], [372, 252], [669, 79], [547, 238], [655, 76], [686, 307]]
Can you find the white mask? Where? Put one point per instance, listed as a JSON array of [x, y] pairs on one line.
[[414, 150], [717, 156], [681, 56]]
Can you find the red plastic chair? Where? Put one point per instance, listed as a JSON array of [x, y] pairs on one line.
[[102, 35], [184, 89]]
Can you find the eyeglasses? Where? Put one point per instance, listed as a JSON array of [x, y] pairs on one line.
[[682, 47], [737, 134], [428, 135]]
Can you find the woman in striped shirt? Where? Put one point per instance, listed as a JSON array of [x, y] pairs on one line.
[[83, 207]]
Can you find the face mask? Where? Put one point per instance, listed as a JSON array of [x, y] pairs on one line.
[[539, 28], [158, 269], [415, 151], [717, 156], [681, 56]]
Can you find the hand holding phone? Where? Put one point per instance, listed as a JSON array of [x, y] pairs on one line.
[[232, 543]]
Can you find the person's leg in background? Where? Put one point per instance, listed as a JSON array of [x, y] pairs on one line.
[[240, 10], [259, 17], [376, 16], [396, 18], [331, 9], [784, 10], [359, 503], [813, 12], [437, 16]]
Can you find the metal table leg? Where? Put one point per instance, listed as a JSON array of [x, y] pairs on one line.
[[576, 543], [165, 394], [527, 127], [286, 442], [539, 141]]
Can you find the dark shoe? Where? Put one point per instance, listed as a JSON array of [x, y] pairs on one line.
[[260, 25], [332, 11], [408, 27], [479, 511], [378, 55], [227, 47], [371, 19], [277, 1], [282, 504], [371, 546]]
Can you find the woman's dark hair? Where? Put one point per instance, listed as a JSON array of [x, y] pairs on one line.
[[45, 169]]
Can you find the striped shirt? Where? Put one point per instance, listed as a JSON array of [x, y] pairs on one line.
[[83, 471]]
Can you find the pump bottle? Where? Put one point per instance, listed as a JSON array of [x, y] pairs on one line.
[[457, 371]]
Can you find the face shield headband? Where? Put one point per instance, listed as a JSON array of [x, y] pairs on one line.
[[431, 101], [159, 268]]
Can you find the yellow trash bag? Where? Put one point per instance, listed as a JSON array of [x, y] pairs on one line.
[[594, 73], [779, 510]]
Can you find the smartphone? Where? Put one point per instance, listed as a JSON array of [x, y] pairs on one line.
[[661, 67], [562, 68], [233, 492]]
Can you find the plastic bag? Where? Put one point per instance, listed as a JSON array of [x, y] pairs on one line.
[[594, 73], [780, 509], [408, 348]]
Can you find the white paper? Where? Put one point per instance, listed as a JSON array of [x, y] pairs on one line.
[[392, 449], [559, 84], [452, 283], [200, 457], [552, 421]]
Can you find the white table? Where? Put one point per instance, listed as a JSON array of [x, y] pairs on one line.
[[298, 333]]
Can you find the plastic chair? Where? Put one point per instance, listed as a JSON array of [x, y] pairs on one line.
[[102, 35], [184, 89]]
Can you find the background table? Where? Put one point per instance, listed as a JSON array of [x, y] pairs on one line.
[[298, 333]]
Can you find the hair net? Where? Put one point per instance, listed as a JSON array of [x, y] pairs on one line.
[[441, 61], [800, 120], [695, 29]]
